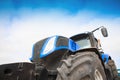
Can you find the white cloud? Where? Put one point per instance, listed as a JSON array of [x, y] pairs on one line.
[[31, 26]]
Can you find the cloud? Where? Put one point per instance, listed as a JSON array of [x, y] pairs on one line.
[[19, 33]]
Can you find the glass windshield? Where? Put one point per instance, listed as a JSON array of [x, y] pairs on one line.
[[84, 43]]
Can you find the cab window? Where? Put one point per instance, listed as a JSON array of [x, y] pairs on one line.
[[84, 43]]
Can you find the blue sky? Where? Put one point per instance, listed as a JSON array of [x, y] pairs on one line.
[[102, 7], [23, 22]]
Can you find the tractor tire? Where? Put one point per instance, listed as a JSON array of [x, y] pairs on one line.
[[81, 66], [113, 68]]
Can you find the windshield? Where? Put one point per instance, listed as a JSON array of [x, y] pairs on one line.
[[84, 43]]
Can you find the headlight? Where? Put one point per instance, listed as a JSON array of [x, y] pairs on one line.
[[48, 46]]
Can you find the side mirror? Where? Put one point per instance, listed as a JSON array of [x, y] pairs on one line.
[[104, 32]]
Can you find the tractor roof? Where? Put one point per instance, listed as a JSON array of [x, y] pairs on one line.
[[80, 36]]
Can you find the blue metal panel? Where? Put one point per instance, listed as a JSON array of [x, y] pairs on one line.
[[72, 46], [105, 58], [49, 46]]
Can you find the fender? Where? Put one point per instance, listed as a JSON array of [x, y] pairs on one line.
[[104, 57], [54, 43]]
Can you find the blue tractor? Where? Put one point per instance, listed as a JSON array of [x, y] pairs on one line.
[[79, 57]]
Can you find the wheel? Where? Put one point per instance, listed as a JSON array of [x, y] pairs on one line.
[[113, 69], [81, 66]]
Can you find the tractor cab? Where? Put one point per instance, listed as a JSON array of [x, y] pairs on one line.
[[84, 40], [88, 40]]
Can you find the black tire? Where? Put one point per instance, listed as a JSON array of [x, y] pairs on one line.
[[81, 66], [113, 69]]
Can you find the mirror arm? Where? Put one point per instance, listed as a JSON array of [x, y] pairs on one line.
[[97, 29]]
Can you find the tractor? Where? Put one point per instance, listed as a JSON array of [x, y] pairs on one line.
[[79, 57]]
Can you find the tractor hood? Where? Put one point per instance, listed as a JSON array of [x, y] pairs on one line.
[[49, 45]]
